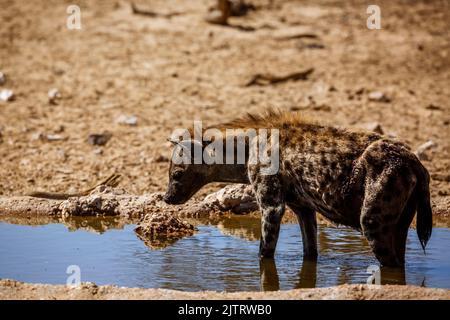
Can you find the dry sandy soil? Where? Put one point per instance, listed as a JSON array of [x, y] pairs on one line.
[[170, 71], [10, 289]]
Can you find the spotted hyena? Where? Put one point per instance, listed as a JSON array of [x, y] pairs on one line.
[[358, 179]]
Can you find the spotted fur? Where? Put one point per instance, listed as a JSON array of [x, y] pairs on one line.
[[358, 179]]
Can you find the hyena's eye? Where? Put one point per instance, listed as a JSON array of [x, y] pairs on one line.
[[177, 175]]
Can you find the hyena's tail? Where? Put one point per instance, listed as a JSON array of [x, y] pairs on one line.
[[424, 219]]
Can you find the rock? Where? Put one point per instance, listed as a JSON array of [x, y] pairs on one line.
[[2, 78], [6, 95], [47, 137], [374, 127], [360, 91], [127, 120], [99, 139], [54, 137], [159, 230], [236, 198], [53, 96], [161, 158], [433, 107], [98, 151], [92, 205], [332, 89], [378, 96], [421, 151]]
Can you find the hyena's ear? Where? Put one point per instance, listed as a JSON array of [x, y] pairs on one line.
[[174, 142], [185, 144]]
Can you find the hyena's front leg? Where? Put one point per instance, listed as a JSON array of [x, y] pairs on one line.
[[270, 198]]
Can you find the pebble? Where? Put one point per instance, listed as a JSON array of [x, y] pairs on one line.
[[433, 107], [47, 137], [53, 95], [6, 95], [161, 158], [379, 96], [127, 120], [54, 137], [2, 78], [98, 151], [99, 139]]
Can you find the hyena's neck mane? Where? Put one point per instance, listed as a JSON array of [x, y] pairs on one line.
[[269, 119]]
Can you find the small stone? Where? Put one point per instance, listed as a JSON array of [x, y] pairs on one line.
[[53, 95], [433, 107], [332, 89], [379, 96], [98, 151], [127, 120], [6, 95], [2, 78], [161, 229], [47, 137], [161, 158], [54, 137], [37, 136], [360, 91], [99, 139], [374, 127], [421, 151]]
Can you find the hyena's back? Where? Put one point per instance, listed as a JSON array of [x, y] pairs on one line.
[[321, 165], [361, 180]]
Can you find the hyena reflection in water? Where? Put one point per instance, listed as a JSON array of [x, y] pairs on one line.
[[361, 180]]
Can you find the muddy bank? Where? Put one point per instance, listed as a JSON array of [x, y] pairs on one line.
[[106, 201], [10, 289]]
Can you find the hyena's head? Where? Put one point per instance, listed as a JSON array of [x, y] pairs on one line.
[[188, 172]]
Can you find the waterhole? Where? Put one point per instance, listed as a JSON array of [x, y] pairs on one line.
[[220, 256]]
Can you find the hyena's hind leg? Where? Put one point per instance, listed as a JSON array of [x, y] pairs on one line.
[[269, 195], [402, 227], [387, 213], [308, 225]]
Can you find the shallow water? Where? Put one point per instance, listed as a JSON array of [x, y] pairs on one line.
[[220, 257]]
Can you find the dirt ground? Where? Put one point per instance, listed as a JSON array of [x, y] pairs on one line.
[[169, 71], [10, 289]]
